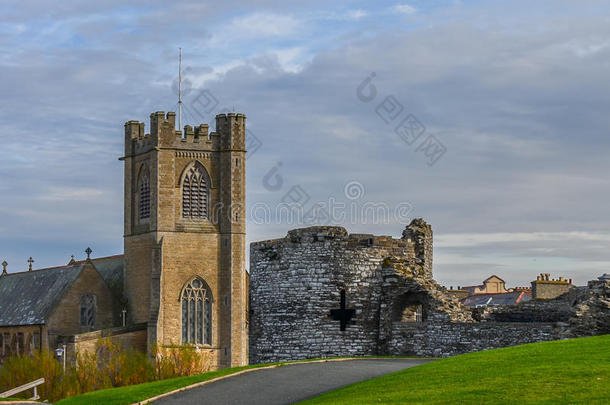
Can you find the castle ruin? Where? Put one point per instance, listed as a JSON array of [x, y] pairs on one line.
[[321, 292]]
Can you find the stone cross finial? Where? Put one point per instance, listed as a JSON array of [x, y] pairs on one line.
[[30, 261], [88, 251], [4, 264]]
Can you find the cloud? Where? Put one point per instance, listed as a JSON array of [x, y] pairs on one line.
[[478, 239], [356, 14], [519, 99], [82, 194], [404, 9], [255, 26]]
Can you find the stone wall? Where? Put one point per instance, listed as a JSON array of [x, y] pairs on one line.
[[65, 317], [132, 337], [18, 340], [448, 339], [297, 284]]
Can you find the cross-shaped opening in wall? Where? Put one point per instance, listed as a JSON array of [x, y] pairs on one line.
[[342, 314]]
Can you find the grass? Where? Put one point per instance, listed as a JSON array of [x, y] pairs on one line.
[[575, 371], [134, 393]]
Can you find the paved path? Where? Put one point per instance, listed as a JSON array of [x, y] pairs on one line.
[[289, 383]]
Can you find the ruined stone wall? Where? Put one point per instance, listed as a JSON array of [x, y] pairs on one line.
[[433, 339], [296, 281]]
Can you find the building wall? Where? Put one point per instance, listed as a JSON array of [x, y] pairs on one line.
[[165, 252], [129, 337], [16, 340], [545, 290], [65, 317]]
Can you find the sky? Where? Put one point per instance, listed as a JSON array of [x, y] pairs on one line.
[[489, 119]]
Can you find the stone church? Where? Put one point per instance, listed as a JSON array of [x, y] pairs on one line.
[[182, 278]]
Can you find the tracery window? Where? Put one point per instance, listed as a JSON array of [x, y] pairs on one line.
[[196, 300], [195, 193], [87, 310], [144, 194]]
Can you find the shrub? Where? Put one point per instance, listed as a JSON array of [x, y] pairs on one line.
[[178, 361], [109, 366], [19, 370]]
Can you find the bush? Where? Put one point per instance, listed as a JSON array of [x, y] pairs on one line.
[[179, 361], [108, 367], [19, 370]]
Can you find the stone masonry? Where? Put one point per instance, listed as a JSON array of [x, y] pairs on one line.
[[297, 284], [296, 281], [167, 249]]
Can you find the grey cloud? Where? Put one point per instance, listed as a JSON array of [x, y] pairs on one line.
[[523, 116]]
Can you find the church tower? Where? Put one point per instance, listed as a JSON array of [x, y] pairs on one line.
[[184, 237]]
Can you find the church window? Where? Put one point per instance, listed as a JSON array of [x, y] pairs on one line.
[[36, 340], [195, 193], [87, 310], [20, 348], [196, 300], [144, 194]]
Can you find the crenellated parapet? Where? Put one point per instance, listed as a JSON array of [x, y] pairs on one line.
[[230, 134]]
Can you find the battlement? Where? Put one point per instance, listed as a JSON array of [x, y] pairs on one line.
[[230, 134]]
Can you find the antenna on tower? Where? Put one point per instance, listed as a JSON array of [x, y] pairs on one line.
[[180, 89]]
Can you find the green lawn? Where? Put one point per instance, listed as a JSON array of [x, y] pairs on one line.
[[575, 371]]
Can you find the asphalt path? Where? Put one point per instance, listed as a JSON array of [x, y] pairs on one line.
[[289, 383]]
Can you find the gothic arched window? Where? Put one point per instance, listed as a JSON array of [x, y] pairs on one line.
[[144, 194], [87, 310], [196, 300], [195, 192]]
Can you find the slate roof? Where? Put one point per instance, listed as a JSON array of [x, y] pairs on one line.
[[496, 299], [27, 298], [111, 270]]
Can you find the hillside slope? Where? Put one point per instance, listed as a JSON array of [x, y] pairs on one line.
[[568, 371]]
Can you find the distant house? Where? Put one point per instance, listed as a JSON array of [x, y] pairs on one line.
[[509, 298], [492, 291], [491, 285]]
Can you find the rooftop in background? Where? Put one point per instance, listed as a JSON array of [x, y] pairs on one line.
[[510, 298]]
